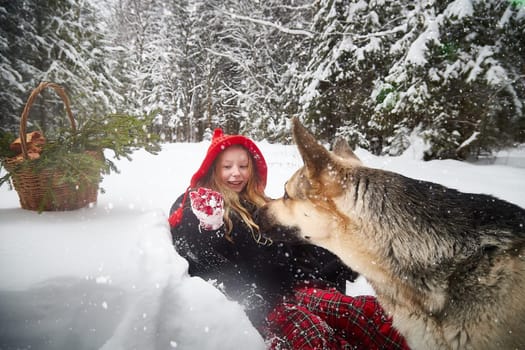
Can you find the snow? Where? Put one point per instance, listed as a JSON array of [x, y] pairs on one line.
[[471, 139], [460, 9], [416, 51], [484, 54], [107, 277]]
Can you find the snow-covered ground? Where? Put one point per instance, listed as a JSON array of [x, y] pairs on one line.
[[107, 277]]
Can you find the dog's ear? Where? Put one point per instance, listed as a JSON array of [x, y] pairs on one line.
[[314, 155], [342, 149]]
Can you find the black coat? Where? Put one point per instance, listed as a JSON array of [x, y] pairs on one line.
[[255, 275]]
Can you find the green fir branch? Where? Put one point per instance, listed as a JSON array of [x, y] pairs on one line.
[[72, 153]]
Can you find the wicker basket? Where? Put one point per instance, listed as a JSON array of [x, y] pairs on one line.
[[46, 190]]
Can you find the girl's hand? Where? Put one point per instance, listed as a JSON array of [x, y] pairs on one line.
[[208, 207]]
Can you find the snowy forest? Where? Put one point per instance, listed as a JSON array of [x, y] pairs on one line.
[[375, 72]]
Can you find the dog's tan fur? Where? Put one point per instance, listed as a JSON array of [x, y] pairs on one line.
[[451, 280]]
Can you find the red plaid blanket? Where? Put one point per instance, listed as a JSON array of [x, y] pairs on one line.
[[327, 319]]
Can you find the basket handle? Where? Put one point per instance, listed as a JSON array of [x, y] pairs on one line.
[[25, 113]]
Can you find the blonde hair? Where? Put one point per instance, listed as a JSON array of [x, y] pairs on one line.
[[253, 193]]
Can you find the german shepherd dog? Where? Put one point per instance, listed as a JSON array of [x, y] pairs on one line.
[[448, 266]]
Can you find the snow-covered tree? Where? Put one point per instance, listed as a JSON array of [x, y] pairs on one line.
[[182, 66], [13, 19], [353, 47], [248, 48], [59, 41], [144, 55], [380, 69], [460, 78]]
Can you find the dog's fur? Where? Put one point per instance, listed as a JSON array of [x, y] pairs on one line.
[[448, 266]]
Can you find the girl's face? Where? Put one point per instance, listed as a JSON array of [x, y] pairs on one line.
[[234, 168]]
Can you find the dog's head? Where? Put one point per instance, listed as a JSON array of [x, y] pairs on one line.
[[309, 211]]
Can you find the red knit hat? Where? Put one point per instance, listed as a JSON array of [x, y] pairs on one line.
[[219, 143]]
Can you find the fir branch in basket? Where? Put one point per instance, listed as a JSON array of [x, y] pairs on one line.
[[79, 154], [6, 138], [120, 133]]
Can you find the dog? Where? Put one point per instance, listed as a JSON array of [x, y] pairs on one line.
[[448, 266]]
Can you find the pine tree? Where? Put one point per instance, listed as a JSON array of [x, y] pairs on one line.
[[58, 41], [460, 79], [282, 49], [453, 69], [353, 49]]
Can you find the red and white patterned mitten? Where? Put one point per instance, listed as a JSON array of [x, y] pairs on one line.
[[208, 207]]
